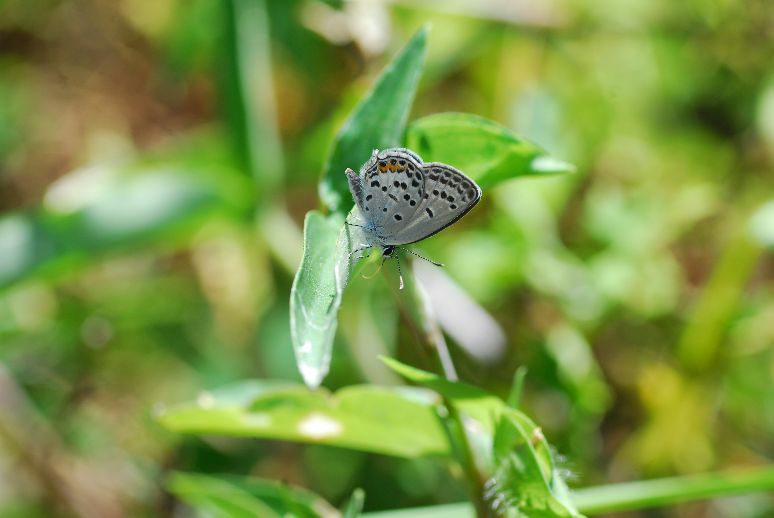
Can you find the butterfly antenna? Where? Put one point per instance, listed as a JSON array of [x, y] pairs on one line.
[[422, 257], [400, 275]]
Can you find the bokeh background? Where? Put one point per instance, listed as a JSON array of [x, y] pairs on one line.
[[156, 161]]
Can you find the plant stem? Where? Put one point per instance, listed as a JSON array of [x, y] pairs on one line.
[[422, 317], [632, 495], [673, 490]]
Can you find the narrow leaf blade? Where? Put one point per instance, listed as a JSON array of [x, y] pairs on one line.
[[378, 121]]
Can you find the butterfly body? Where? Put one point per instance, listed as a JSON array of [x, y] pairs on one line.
[[403, 200]]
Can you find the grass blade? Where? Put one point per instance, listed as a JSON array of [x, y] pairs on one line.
[[668, 491], [249, 92]]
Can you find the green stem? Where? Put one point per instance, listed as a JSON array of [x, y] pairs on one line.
[[423, 316], [667, 491], [630, 496]]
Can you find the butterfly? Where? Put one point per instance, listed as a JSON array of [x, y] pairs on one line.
[[403, 200]]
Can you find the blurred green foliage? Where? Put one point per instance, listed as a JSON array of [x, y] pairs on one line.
[[156, 163]]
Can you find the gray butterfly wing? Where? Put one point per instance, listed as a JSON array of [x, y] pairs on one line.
[[448, 196], [392, 186]]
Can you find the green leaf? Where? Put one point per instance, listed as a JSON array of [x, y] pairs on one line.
[[391, 421], [486, 151], [470, 400], [233, 497], [524, 478], [248, 92], [378, 122], [522, 473], [315, 296]]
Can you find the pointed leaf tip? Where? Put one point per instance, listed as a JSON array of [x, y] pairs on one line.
[[546, 164]]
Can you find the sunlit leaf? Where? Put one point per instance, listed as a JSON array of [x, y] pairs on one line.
[[378, 121], [486, 151], [392, 421], [473, 401]]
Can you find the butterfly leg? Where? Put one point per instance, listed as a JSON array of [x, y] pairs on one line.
[[362, 247]]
